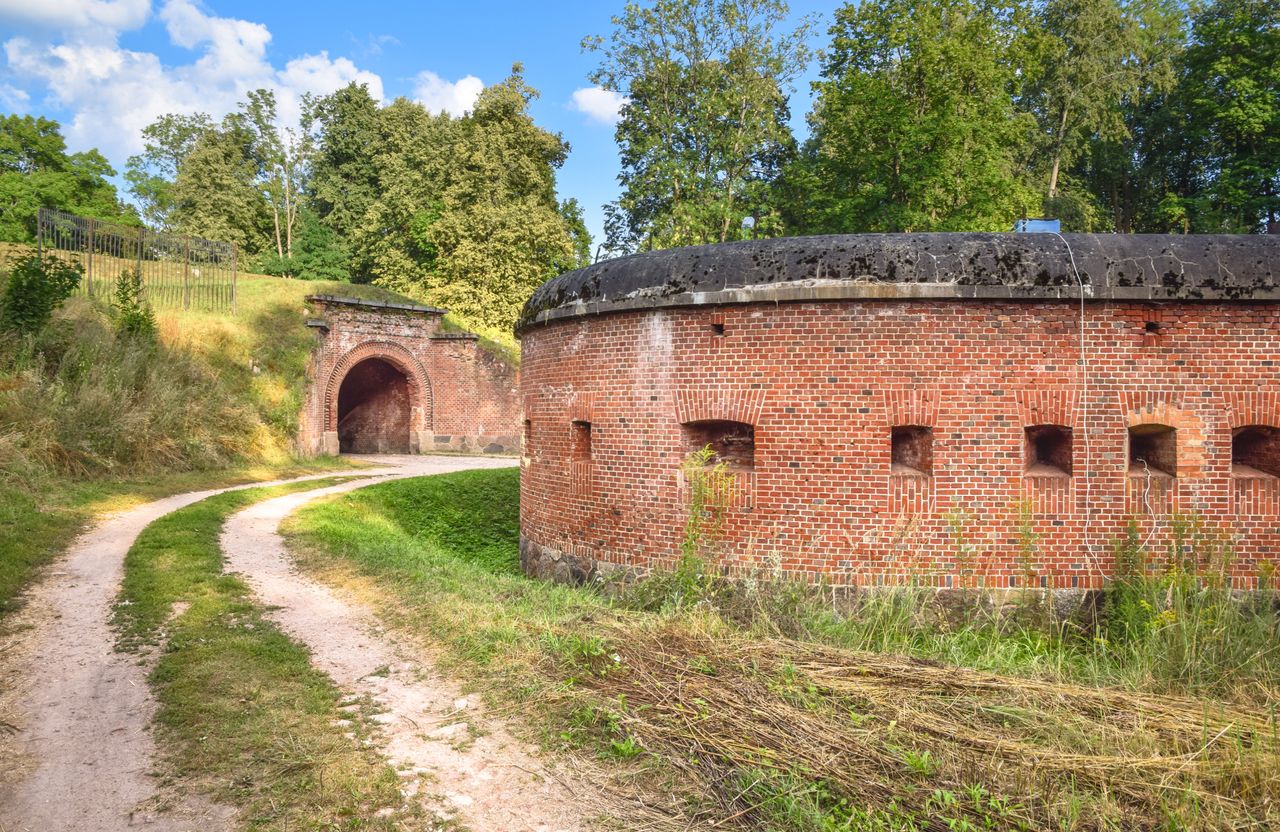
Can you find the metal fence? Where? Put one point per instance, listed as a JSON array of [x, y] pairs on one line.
[[176, 270]]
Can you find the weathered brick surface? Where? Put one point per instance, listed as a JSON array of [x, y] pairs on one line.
[[824, 383], [460, 397]]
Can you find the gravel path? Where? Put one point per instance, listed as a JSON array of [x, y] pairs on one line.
[[481, 776], [80, 754]]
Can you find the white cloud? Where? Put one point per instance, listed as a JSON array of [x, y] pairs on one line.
[[604, 106], [13, 99], [452, 97], [111, 15], [318, 74], [114, 92]]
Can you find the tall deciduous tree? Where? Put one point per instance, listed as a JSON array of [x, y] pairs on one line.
[[914, 127], [1232, 92], [36, 171], [704, 130], [216, 194], [1087, 68], [495, 231], [151, 174], [280, 154], [343, 181]]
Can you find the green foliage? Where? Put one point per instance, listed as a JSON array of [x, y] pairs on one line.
[[132, 313], [1154, 116], [914, 127], [215, 193], [1231, 90], [166, 144], [37, 172], [343, 182], [704, 131], [464, 211], [317, 254], [34, 288]]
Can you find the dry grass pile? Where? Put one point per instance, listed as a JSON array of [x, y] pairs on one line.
[[791, 735]]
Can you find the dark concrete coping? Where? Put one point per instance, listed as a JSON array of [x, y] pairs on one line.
[[455, 336], [335, 300], [935, 266]]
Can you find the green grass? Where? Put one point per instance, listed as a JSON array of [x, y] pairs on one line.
[[37, 524], [758, 705], [242, 714], [448, 543]]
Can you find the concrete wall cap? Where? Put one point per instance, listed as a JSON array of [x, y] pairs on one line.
[[336, 300], [934, 266]]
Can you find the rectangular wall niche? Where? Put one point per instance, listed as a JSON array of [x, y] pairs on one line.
[[734, 443], [581, 451], [1049, 451], [1153, 449], [1255, 452], [911, 452]]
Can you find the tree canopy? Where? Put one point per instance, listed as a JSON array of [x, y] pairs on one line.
[[704, 131], [36, 171]]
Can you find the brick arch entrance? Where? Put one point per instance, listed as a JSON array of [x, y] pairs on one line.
[[401, 367], [378, 400]]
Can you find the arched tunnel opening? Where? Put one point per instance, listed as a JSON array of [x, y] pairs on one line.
[[373, 409]]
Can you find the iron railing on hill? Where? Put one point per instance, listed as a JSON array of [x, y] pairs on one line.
[[177, 270]]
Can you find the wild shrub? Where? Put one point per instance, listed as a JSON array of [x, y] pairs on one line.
[[709, 489], [34, 289], [133, 314]]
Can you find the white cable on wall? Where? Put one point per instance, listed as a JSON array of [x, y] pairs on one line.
[[1084, 415]]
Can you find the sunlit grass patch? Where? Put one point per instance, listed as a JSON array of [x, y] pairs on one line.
[[242, 713], [760, 705]]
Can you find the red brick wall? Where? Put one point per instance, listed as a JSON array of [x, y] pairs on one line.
[[823, 384], [462, 398]]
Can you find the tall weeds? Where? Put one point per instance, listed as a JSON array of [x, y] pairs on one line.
[[78, 398]]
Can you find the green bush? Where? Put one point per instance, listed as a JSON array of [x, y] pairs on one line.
[[133, 315], [34, 289]]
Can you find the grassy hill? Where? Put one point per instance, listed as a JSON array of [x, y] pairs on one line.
[[91, 420]]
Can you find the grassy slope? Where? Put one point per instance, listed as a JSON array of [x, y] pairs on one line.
[[260, 354], [243, 715], [756, 731]]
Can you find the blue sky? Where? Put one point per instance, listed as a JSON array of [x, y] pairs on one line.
[[106, 68]]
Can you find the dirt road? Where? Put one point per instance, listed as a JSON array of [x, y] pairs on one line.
[[80, 758], [475, 771]]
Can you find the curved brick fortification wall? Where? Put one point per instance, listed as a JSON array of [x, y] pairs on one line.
[[385, 378], [940, 408]]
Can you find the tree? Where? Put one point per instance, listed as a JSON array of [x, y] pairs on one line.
[[216, 195], [151, 174], [1087, 68], [704, 130], [1231, 85], [343, 181], [572, 213], [36, 171], [318, 254], [235, 180], [280, 157], [914, 126], [485, 240]]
